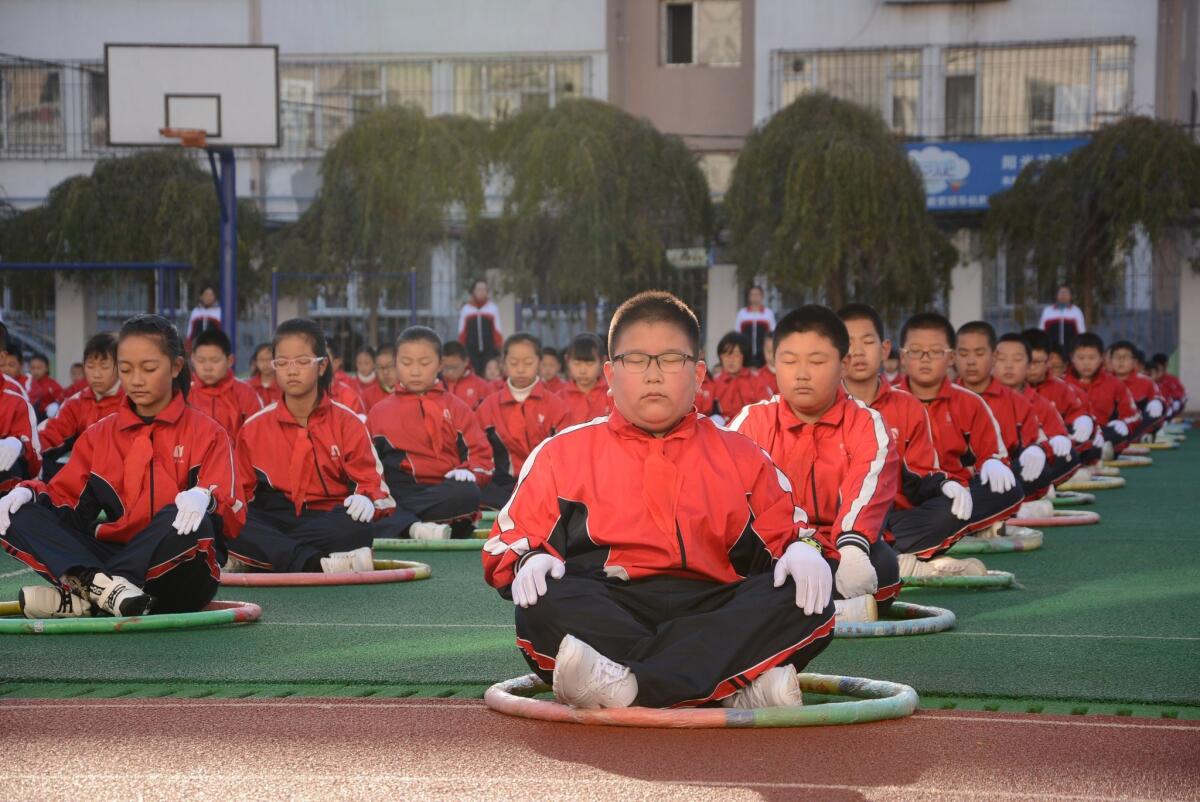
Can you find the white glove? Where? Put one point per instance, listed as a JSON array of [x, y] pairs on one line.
[[997, 476], [808, 569], [855, 575], [960, 500], [10, 449], [1061, 445], [359, 508], [192, 505], [1083, 428], [1154, 408], [52, 409], [17, 498], [1098, 440], [1033, 462], [1120, 427], [460, 475], [531, 579]]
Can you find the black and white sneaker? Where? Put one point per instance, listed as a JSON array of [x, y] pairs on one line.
[[47, 601], [115, 596]]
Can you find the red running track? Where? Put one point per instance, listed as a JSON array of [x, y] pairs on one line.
[[316, 749]]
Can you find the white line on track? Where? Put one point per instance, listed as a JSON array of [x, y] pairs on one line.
[[1068, 636], [17, 572]]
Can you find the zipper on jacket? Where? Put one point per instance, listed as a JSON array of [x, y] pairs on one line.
[[317, 465], [682, 550], [812, 478]]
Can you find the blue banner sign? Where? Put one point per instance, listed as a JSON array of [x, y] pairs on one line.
[[960, 175]]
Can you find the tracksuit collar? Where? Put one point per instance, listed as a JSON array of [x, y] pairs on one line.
[[128, 417], [619, 425]]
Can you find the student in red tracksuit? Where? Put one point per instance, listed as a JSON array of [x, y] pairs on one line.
[[20, 447], [966, 435], [102, 397], [518, 417], [1108, 399], [835, 451], [262, 375], [162, 474], [706, 398], [460, 379], [310, 476], [766, 373], [436, 457], [43, 387], [932, 511], [1169, 385], [550, 370], [215, 390], [1021, 432], [586, 395], [737, 384], [649, 552], [1066, 399], [1123, 360]]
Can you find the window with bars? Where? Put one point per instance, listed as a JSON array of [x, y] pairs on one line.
[[31, 113], [888, 81], [494, 89]]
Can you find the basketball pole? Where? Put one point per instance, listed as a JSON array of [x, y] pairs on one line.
[[225, 180]]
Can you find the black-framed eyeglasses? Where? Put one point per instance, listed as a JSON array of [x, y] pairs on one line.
[[669, 362], [919, 355]]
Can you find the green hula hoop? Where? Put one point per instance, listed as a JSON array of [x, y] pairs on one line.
[[1095, 483], [873, 700], [1026, 540], [902, 619], [1071, 498], [993, 579], [216, 613], [404, 544]]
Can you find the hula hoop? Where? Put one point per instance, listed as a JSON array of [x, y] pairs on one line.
[[994, 579], [1129, 462], [1095, 483], [1063, 518], [482, 534], [1028, 540], [385, 571], [1162, 445], [902, 619], [404, 544], [874, 700], [1136, 450], [215, 614], [1071, 498]]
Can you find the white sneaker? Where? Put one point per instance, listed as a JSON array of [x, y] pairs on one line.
[[114, 595], [859, 609], [779, 687], [1036, 509], [586, 679], [1084, 474], [47, 601], [235, 566], [426, 531], [1106, 451], [910, 566], [345, 562], [994, 531]]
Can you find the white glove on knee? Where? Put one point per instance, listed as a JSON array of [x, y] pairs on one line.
[[359, 508], [530, 583], [10, 449], [960, 500], [1083, 428], [460, 475], [1033, 462], [1060, 445], [1154, 408], [52, 409], [997, 476], [192, 505], [1120, 427], [855, 575], [808, 569], [17, 498]]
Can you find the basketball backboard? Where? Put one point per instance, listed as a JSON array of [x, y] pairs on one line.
[[230, 92]]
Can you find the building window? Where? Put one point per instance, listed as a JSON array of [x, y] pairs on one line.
[[888, 81], [960, 92], [702, 32], [96, 86], [496, 89], [31, 109]]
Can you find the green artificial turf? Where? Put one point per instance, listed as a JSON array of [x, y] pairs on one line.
[[1104, 621]]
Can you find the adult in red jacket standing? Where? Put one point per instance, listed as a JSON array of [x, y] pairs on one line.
[[479, 326]]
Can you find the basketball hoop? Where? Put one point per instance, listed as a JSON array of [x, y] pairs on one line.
[[188, 137]]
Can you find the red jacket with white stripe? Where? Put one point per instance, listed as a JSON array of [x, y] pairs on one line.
[[130, 469], [285, 466], [733, 391], [421, 438], [267, 395], [347, 395], [965, 433], [701, 502], [920, 475], [1143, 389], [43, 392], [1048, 418], [514, 428], [58, 434], [471, 388], [1107, 397], [1019, 426], [229, 402], [17, 419], [581, 406], [1172, 388], [843, 468], [1065, 398]]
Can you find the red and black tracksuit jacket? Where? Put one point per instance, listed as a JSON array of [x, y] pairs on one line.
[[420, 438], [43, 392], [700, 503], [514, 428], [965, 432], [920, 477], [17, 419], [266, 395], [471, 388], [347, 394], [283, 466], [1172, 389], [733, 391], [58, 434], [229, 402], [1019, 425], [372, 393], [1066, 399], [1049, 419], [1143, 389], [556, 384], [583, 407], [129, 469], [843, 468], [1107, 398]]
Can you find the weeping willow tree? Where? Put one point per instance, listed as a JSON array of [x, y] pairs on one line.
[[154, 206], [1075, 219], [595, 198], [823, 198], [393, 187]]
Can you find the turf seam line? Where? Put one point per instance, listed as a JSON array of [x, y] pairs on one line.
[[1061, 635]]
